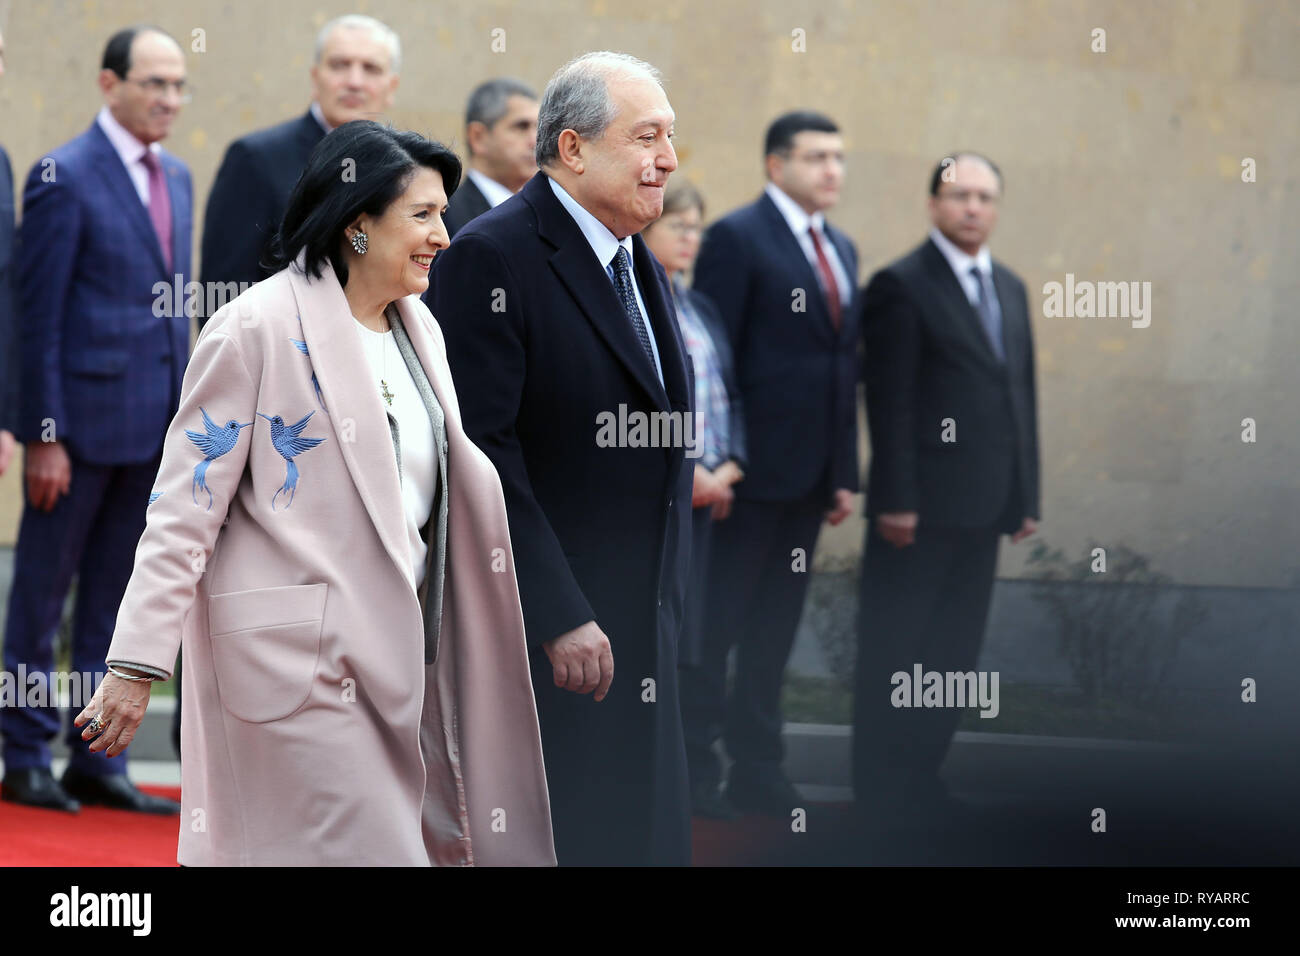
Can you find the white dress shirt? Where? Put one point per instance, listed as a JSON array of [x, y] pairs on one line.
[[492, 190], [961, 265], [130, 150], [799, 222], [606, 246], [415, 432], [319, 115]]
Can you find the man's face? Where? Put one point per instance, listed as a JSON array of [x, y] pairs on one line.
[[966, 209], [148, 100], [812, 173], [354, 78], [507, 149], [626, 170]]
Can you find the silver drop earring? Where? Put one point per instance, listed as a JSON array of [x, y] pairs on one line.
[[360, 242]]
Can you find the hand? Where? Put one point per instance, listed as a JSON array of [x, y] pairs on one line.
[[722, 507], [841, 508], [122, 704], [7, 446], [582, 660], [728, 472], [1027, 527], [48, 472], [897, 527], [706, 489]]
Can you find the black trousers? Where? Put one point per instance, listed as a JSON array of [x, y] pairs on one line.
[[928, 604], [756, 588]]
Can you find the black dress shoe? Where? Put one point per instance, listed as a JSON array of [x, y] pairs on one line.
[[36, 787], [708, 802], [116, 792], [770, 793]]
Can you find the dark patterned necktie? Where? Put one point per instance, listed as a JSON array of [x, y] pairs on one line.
[[988, 317], [622, 274]]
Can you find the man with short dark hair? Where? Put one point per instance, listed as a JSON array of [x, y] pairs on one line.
[[784, 282], [501, 137], [354, 76], [557, 317], [106, 219], [954, 465]]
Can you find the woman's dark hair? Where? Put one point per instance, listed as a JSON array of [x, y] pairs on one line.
[[359, 167]]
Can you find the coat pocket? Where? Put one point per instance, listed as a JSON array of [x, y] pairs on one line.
[[265, 645]]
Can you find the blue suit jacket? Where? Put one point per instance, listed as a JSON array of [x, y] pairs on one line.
[[797, 376], [103, 343], [8, 307]]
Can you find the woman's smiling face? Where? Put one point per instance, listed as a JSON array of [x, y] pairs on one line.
[[402, 242]]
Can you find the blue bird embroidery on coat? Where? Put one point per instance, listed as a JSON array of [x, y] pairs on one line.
[[155, 495], [288, 441], [214, 441], [301, 346]]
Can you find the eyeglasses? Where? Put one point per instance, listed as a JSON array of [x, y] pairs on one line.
[[682, 229], [157, 87]]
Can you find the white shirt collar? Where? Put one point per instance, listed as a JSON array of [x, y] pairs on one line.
[[961, 262], [601, 240], [319, 115], [492, 190], [794, 214], [128, 148]]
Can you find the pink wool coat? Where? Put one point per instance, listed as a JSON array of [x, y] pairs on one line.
[[312, 730]]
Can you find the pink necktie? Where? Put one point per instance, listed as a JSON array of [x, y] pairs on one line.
[[160, 205]]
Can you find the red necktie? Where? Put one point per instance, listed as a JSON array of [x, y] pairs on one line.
[[829, 287], [160, 205]]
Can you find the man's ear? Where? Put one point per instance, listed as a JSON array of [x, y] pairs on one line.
[[571, 154], [475, 133], [773, 163]]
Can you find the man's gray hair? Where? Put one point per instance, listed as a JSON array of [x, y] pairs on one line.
[[487, 103], [359, 21], [577, 98]]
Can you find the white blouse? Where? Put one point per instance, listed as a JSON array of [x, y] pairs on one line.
[[419, 459]]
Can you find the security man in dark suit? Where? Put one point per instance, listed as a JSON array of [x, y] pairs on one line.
[[354, 77], [562, 339], [949, 367], [501, 135], [784, 281]]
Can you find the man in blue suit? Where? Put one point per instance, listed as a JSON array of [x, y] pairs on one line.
[[8, 342], [354, 77], [558, 319], [106, 226], [784, 281]]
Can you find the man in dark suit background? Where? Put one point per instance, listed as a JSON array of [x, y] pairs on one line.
[[557, 319], [354, 76], [9, 367], [784, 281], [501, 137], [106, 219], [954, 465]]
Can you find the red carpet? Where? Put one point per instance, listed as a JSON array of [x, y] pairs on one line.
[[99, 837], [93, 837]]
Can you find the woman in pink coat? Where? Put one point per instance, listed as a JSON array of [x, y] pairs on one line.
[[333, 556]]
